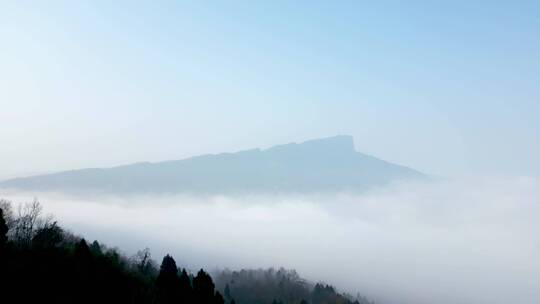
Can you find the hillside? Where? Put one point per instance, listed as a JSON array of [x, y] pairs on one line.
[[41, 262]]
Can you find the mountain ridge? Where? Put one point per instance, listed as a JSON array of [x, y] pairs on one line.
[[326, 164]]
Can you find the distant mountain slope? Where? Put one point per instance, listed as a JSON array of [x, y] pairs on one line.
[[328, 164]]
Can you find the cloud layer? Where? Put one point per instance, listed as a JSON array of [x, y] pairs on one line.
[[453, 241]]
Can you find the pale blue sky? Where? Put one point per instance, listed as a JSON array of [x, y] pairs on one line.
[[447, 88]]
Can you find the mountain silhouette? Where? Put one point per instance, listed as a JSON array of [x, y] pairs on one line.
[[327, 164]]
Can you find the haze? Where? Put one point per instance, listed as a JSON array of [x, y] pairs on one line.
[[448, 92], [437, 242]]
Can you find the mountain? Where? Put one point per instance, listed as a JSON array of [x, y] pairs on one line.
[[328, 164]]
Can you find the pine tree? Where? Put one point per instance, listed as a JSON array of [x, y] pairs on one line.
[[82, 251], [218, 298], [186, 291], [95, 248], [168, 266], [168, 282], [203, 287]]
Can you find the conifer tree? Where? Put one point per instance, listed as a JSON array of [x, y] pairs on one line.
[[218, 298], [168, 282], [203, 287], [186, 291]]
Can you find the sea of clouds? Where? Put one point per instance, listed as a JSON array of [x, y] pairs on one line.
[[466, 241]]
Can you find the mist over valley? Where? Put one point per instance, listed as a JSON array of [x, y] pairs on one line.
[[269, 152]]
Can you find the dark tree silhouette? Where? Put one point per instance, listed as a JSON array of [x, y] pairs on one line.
[[47, 237], [95, 248], [186, 290], [168, 267], [82, 252], [168, 282], [218, 298], [203, 287]]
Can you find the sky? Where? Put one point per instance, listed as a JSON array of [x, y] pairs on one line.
[[450, 89]]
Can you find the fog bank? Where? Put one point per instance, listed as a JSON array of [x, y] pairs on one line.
[[454, 241]]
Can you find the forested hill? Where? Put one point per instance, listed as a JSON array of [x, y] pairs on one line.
[[40, 262], [328, 164]]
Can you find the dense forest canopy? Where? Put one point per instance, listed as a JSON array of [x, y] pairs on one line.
[[42, 262]]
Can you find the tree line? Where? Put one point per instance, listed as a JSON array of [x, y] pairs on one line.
[[42, 262], [277, 286]]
